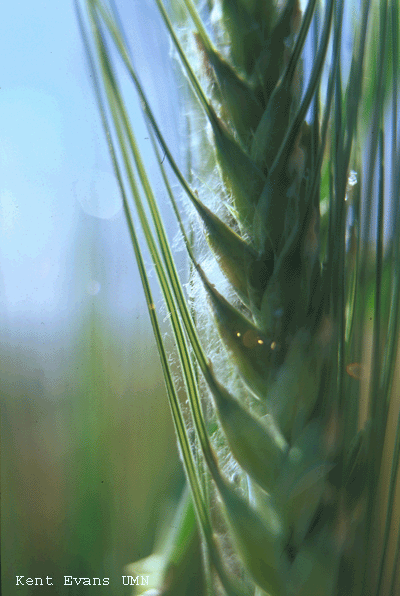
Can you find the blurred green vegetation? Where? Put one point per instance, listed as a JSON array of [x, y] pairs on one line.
[[89, 460]]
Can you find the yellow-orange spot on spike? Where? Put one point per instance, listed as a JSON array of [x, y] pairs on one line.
[[273, 345], [260, 341], [355, 370], [238, 334]]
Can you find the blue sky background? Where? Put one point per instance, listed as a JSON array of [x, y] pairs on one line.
[[50, 140], [54, 161]]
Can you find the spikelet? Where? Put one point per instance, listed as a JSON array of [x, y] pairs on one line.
[[276, 346]]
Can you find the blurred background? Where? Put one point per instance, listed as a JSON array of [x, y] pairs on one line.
[[89, 461]]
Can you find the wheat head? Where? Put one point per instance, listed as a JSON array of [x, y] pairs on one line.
[[291, 445]]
